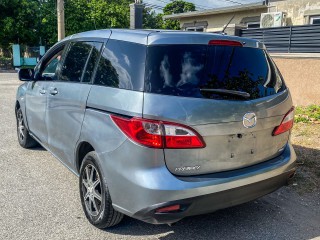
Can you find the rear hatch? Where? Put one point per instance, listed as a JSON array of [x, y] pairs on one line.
[[232, 95]]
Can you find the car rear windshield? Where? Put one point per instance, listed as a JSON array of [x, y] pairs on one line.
[[208, 71]]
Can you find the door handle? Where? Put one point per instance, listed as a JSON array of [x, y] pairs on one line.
[[54, 91], [42, 91]]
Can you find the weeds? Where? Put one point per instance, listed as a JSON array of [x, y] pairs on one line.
[[306, 142], [309, 114]]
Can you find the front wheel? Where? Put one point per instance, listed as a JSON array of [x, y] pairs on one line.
[[95, 197], [24, 138]]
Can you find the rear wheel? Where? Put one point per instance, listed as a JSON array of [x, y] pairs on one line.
[[24, 138], [95, 197]]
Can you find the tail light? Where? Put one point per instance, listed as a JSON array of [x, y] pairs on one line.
[[158, 134], [286, 124], [225, 43]]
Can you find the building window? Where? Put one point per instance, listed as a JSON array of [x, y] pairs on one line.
[[195, 26], [195, 29], [253, 25], [315, 19]]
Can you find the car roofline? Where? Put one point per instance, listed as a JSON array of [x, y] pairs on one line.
[[162, 37]]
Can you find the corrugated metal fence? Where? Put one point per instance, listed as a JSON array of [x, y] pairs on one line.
[[294, 39]]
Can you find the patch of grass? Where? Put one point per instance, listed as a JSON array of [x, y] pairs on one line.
[[307, 114], [306, 142]]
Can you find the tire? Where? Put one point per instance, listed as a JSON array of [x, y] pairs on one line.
[[24, 138], [95, 197]]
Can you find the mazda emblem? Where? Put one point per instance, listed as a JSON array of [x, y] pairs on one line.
[[249, 120]]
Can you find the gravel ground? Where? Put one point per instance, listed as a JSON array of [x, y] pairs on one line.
[[39, 200]]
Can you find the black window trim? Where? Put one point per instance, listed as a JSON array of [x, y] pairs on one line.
[[98, 60]]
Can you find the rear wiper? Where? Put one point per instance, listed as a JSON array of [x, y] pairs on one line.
[[226, 92]]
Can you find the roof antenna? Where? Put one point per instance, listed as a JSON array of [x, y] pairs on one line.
[[227, 25]]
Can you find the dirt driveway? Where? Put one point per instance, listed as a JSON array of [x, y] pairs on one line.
[[39, 200]]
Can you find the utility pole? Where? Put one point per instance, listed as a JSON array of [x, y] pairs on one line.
[[60, 14]]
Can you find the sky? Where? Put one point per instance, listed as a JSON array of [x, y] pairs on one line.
[[200, 5]]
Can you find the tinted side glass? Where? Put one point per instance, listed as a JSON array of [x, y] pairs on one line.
[[192, 70], [50, 71], [48, 68], [91, 63], [75, 62], [122, 65]]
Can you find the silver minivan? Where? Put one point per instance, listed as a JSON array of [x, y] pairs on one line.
[[160, 125]]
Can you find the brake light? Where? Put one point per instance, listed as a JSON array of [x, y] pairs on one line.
[[286, 124], [158, 134], [225, 43]]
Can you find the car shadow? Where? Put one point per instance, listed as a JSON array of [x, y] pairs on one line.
[[308, 173], [38, 148], [259, 219], [311, 155]]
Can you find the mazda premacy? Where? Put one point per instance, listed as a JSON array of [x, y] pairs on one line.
[[160, 125]]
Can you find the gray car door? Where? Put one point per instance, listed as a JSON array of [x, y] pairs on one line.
[[67, 98], [36, 95]]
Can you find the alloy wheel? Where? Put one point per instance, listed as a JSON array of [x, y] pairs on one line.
[[91, 190], [21, 127]]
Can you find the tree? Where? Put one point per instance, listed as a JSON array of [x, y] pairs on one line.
[[34, 22], [177, 6], [110, 14], [18, 22], [152, 20]]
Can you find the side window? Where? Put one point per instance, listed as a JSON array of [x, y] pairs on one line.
[[122, 65], [91, 63], [50, 70], [75, 61]]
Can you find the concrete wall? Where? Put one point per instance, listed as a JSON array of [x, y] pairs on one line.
[[302, 76], [298, 11], [217, 22]]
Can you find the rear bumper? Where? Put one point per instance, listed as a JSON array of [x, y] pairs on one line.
[[142, 183], [214, 201]]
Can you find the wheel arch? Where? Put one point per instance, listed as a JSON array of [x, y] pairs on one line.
[[83, 148], [21, 106], [17, 106]]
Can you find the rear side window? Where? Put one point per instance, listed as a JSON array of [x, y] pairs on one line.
[[75, 61], [196, 70], [122, 65]]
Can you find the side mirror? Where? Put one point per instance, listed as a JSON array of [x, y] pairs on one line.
[[26, 74]]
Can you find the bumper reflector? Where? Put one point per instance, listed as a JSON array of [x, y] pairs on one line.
[[169, 209]]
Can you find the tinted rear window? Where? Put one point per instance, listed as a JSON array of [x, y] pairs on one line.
[[190, 70]]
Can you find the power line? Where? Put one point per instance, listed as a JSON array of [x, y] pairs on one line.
[[153, 6]]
